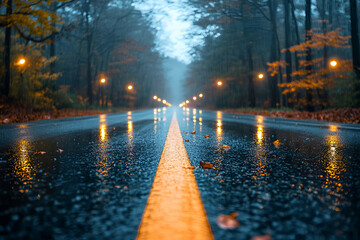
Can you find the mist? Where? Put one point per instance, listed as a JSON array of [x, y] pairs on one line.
[[175, 76]]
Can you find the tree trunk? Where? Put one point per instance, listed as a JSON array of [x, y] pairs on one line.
[[287, 46], [52, 43], [251, 90], [355, 37], [324, 93], [309, 96], [89, 56], [7, 49], [274, 90]]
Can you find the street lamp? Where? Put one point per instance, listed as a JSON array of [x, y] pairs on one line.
[[21, 62], [155, 97], [194, 98], [187, 101], [164, 101], [130, 87], [219, 83], [159, 99], [103, 80], [261, 76], [333, 63], [201, 95]]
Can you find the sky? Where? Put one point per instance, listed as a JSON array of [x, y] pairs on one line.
[[176, 35]]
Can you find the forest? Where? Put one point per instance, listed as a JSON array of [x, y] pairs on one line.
[[268, 54], [278, 54], [78, 53]]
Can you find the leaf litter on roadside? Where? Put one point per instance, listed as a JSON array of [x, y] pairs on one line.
[[207, 136], [228, 222], [193, 132], [226, 147]]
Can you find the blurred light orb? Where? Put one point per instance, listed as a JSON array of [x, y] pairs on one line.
[[103, 80], [219, 83], [194, 98], [201, 95], [155, 97], [333, 63], [130, 87], [22, 61], [187, 101], [164, 101], [261, 76]]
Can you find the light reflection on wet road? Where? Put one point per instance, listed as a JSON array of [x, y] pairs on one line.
[[86, 184], [304, 186], [90, 177]]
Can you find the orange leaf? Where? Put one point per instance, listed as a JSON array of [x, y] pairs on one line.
[[228, 222], [206, 165], [277, 143]]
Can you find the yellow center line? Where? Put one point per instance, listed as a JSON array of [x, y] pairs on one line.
[[174, 209]]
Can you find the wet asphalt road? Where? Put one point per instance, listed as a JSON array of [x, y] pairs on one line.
[[89, 177]]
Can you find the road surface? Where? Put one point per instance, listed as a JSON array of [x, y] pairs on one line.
[[93, 177]]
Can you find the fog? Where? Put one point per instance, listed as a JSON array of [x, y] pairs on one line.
[[175, 76]]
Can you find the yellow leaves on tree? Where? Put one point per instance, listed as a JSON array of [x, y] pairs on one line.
[[32, 17], [320, 75], [319, 40]]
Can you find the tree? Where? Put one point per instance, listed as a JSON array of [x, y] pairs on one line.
[[32, 22], [287, 45], [355, 37]]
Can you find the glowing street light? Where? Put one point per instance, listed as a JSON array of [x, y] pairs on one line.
[[219, 83], [187, 101], [333, 63], [261, 76], [164, 101], [194, 98], [102, 80], [201, 95], [130, 87], [155, 97], [22, 61]]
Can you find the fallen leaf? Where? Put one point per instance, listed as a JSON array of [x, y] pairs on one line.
[[185, 132], [193, 132], [59, 150], [262, 237], [226, 147], [192, 167], [117, 186], [277, 143], [207, 136], [186, 140], [206, 165], [228, 222]]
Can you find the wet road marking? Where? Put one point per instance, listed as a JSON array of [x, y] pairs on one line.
[[174, 209]]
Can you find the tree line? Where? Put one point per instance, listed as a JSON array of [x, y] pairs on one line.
[[78, 53], [278, 53]]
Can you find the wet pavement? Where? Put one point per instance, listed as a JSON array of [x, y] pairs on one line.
[[84, 184], [90, 177], [304, 186]]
